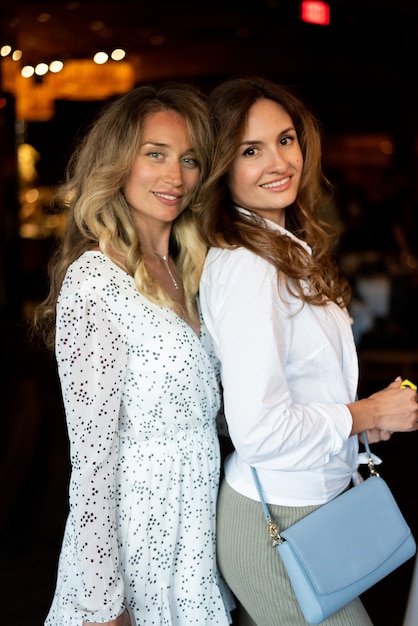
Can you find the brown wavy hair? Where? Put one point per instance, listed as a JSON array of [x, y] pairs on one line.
[[97, 212], [222, 225]]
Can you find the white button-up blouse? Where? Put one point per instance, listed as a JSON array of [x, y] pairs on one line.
[[288, 372]]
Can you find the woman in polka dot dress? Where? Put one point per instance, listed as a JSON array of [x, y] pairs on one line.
[[138, 376]]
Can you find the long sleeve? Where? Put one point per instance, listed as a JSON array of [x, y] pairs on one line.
[[92, 357]]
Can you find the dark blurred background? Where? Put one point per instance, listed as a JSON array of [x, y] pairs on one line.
[[358, 74]]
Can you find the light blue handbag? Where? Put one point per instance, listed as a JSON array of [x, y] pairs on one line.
[[344, 547]]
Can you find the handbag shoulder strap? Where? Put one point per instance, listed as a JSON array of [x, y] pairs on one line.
[[274, 533], [370, 461], [260, 493]]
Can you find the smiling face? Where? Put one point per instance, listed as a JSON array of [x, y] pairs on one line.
[[265, 174], [164, 174]]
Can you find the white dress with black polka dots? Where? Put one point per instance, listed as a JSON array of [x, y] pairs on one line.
[[141, 395]]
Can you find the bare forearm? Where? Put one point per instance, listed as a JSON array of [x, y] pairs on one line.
[[392, 409]]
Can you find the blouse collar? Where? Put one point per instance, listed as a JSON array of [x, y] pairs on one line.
[[275, 226]]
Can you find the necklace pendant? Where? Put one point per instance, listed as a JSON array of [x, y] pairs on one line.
[[166, 259]]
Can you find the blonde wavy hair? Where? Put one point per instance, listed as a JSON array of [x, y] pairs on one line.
[[97, 212], [222, 225]]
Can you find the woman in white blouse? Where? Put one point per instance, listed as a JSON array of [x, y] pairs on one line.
[[139, 379], [275, 306]]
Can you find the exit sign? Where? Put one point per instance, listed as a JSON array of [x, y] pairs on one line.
[[314, 12]]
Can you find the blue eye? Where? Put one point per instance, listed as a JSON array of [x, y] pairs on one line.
[[190, 162]]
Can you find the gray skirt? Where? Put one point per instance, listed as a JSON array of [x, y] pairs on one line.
[[253, 569]]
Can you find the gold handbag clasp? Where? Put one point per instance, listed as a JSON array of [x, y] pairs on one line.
[[274, 533]]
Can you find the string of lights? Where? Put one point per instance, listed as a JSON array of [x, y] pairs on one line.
[[55, 66]]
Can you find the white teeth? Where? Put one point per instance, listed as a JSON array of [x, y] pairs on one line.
[[278, 183], [165, 195]]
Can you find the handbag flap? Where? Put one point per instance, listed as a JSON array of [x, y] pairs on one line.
[[348, 537]]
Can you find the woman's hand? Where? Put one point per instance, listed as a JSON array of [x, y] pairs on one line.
[[393, 409], [122, 620]]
